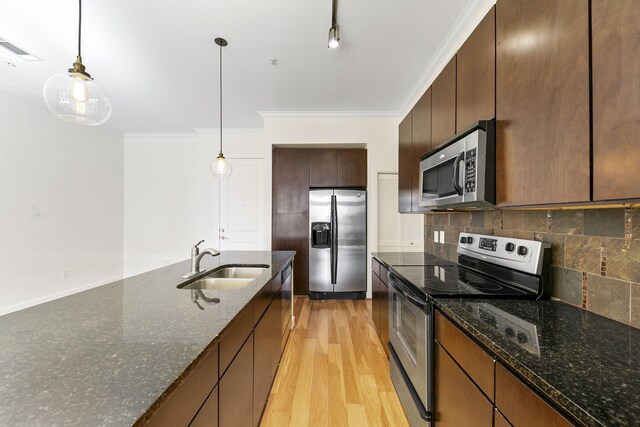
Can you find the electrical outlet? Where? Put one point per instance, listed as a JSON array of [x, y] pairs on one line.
[[65, 274], [436, 237], [442, 236]]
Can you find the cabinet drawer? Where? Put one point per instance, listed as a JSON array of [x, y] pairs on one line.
[[235, 337], [477, 364], [181, 405], [208, 415], [521, 406], [261, 303], [500, 420], [458, 401], [384, 275], [375, 266]]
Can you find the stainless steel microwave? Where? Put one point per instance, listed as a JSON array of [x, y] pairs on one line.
[[461, 173]]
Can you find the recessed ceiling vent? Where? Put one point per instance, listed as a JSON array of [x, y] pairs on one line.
[[16, 50]]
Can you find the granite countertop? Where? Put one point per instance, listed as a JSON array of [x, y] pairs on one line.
[[104, 356], [586, 364]]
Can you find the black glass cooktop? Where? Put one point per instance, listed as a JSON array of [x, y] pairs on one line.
[[456, 280]]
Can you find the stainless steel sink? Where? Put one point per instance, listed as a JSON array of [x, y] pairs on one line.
[[225, 278]]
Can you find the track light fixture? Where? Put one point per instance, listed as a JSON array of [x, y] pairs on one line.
[[334, 31]]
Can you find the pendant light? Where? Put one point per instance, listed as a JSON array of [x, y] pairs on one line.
[[220, 167], [74, 96], [334, 31]]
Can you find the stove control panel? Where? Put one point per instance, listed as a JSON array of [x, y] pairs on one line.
[[519, 254]]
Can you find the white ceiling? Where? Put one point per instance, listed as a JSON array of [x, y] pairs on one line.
[[158, 62]]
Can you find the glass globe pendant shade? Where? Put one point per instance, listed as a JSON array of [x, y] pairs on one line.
[[220, 167], [76, 98]]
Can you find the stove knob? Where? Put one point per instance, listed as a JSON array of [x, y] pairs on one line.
[[522, 250], [469, 239], [522, 338], [463, 240], [509, 332], [510, 247]]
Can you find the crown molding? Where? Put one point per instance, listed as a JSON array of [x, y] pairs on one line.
[[468, 20], [159, 134], [321, 114], [228, 130]]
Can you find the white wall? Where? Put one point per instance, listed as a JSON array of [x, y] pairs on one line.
[[171, 199], [378, 134], [61, 189]]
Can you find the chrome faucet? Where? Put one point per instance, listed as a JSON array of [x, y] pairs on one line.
[[196, 256]]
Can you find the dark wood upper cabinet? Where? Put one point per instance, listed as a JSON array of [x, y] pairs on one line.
[[542, 102], [616, 98], [352, 168], [443, 105], [476, 75], [404, 165], [323, 168], [420, 144], [291, 179]]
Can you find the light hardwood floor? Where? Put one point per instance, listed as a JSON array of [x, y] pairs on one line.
[[334, 371]]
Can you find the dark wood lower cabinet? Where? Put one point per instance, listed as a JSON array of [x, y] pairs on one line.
[[471, 388], [236, 386], [521, 406], [208, 415], [499, 420], [184, 402], [458, 401], [380, 303]]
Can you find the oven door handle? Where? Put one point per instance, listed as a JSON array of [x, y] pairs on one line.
[[396, 286], [456, 173]]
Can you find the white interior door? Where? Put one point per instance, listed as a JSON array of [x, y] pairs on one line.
[[242, 207], [396, 232]]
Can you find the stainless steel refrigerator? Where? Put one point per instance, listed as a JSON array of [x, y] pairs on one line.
[[337, 243]]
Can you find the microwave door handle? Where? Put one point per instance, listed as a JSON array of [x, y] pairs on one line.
[[456, 173]]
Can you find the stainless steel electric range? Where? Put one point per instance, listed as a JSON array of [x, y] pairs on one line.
[[487, 267]]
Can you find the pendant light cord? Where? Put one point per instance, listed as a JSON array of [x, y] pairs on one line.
[[79, 25], [221, 100]]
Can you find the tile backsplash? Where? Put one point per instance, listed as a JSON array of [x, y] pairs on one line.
[[595, 253]]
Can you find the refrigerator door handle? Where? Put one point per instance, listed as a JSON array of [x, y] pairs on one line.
[[334, 239]]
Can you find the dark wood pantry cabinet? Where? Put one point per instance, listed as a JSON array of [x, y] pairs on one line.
[[616, 98], [476, 75], [542, 102], [295, 171]]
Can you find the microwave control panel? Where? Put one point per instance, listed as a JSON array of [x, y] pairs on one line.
[[470, 171]]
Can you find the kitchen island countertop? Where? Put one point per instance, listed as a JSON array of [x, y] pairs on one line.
[[105, 356]]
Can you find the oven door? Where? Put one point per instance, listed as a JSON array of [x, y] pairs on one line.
[[410, 327]]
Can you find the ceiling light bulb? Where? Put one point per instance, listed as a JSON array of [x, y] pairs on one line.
[[220, 167], [334, 37], [78, 90]]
